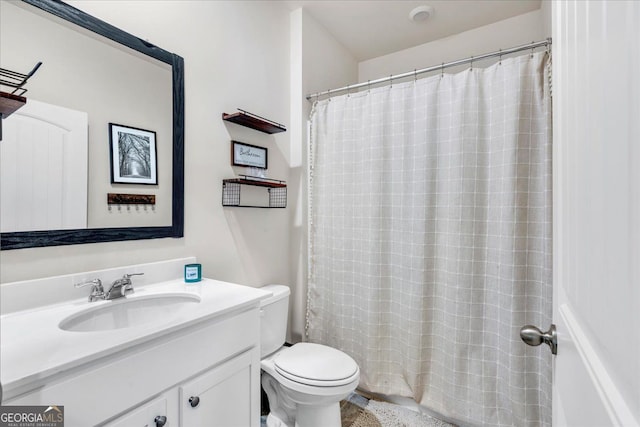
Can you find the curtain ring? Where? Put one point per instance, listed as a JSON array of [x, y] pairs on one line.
[[348, 93], [500, 62], [391, 80], [368, 86], [471, 67], [442, 71], [415, 75], [532, 51]]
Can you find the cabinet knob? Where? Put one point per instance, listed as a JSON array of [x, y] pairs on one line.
[[194, 401], [160, 420]]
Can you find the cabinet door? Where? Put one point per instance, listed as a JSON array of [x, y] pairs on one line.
[[220, 397], [146, 416]]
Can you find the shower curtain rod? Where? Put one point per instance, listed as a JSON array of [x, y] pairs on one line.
[[442, 66]]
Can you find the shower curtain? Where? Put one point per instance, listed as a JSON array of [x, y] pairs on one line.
[[430, 239]]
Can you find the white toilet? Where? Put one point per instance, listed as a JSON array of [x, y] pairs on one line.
[[305, 382]]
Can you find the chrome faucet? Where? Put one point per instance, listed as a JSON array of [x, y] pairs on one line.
[[121, 287], [97, 291]]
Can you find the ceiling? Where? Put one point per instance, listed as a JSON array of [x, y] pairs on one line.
[[373, 28]]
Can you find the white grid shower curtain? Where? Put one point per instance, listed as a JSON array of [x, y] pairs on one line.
[[430, 239]]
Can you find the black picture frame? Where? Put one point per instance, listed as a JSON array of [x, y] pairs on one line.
[[243, 154], [133, 155]]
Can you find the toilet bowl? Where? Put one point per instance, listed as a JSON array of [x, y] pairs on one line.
[[304, 383]]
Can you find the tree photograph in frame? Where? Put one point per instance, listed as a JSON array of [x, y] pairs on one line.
[[133, 155]]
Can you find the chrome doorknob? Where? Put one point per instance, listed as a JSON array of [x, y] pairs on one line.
[[534, 337]]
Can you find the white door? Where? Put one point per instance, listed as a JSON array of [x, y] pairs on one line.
[[596, 107], [43, 169]]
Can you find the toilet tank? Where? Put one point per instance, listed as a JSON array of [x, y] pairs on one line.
[[274, 313]]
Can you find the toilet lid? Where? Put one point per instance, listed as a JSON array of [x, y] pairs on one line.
[[315, 362]]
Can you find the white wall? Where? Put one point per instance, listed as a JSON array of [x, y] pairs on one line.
[[236, 55], [318, 62], [522, 29]]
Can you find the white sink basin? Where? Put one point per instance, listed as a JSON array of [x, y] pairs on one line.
[[129, 312]]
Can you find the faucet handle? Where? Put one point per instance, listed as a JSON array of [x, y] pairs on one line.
[[97, 291], [95, 282], [127, 287]]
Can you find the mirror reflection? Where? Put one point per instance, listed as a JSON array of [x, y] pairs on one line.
[[56, 168], [123, 80]]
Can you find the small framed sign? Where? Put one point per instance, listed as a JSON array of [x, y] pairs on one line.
[[248, 155]]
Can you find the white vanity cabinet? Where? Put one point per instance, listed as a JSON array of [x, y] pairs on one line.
[[222, 396], [215, 360]]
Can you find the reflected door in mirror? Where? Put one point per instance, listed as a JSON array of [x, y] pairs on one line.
[[43, 167]]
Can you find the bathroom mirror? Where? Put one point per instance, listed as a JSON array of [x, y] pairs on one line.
[[168, 220]]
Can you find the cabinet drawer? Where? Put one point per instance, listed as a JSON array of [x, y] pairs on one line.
[[144, 416]]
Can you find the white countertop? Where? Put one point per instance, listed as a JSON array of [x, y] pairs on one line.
[[34, 349]]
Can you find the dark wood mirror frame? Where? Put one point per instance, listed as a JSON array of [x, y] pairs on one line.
[[34, 239]]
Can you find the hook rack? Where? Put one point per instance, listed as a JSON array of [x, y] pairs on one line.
[[131, 199]]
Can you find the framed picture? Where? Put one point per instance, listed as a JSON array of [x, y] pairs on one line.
[[248, 155], [133, 155]]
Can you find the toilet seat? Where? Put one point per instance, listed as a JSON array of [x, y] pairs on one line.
[[316, 365]]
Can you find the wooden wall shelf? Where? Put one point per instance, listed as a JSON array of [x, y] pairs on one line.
[[231, 189], [269, 184], [244, 118], [9, 103]]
